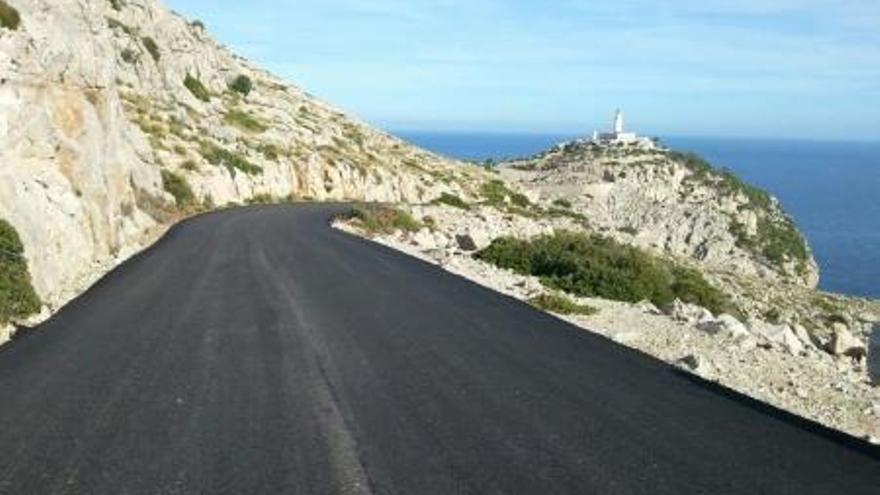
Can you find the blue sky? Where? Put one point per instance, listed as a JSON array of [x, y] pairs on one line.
[[775, 68]]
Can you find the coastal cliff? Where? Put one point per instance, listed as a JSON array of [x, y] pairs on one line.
[[675, 203]]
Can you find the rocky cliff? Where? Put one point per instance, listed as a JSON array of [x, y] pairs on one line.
[[119, 116], [674, 203]]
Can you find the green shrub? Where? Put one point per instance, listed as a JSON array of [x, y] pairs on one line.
[[780, 242], [452, 200], [216, 155], [129, 56], [558, 303], [116, 5], [196, 88], [244, 121], [562, 203], [117, 24], [197, 24], [595, 266], [269, 150], [242, 85], [177, 186], [383, 219], [152, 48], [9, 17], [496, 193], [17, 295]]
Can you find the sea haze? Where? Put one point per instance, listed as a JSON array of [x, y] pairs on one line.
[[832, 189]]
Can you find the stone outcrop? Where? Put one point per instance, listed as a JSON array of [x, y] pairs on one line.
[[844, 343], [99, 98], [672, 203]]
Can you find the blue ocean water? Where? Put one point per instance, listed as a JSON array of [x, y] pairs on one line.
[[832, 189]]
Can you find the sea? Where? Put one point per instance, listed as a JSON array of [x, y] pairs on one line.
[[831, 189]]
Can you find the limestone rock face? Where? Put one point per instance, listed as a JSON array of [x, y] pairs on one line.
[[93, 107]]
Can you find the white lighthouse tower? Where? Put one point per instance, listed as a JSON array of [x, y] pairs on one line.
[[618, 122], [619, 136]]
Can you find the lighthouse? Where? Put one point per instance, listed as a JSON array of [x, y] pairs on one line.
[[619, 136], [618, 122]]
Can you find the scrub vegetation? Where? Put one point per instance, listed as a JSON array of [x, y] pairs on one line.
[[177, 186], [594, 266], [558, 303], [196, 88], [376, 219], [17, 296]]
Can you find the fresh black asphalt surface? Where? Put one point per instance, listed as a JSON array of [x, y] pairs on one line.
[[259, 351]]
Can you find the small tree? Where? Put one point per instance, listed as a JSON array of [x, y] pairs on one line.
[[242, 85]]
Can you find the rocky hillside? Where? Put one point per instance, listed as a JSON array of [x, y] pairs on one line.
[[674, 203], [119, 116]]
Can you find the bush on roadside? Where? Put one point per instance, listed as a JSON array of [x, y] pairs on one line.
[[17, 295], [262, 199], [594, 266], [177, 186], [558, 303], [377, 219]]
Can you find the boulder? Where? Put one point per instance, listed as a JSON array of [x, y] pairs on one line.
[[6, 332], [466, 242], [874, 355], [779, 336], [472, 240], [648, 307], [424, 239], [804, 335], [844, 343], [695, 364], [725, 326], [687, 313]]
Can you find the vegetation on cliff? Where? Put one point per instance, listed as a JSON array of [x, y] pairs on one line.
[[196, 88], [777, 239], [9, 17], [594, 266], [17, 295], [177, 186]]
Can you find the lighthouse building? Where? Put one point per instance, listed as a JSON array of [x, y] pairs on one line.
[[620, 137]]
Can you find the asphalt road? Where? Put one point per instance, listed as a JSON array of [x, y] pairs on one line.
[[258, 351]]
